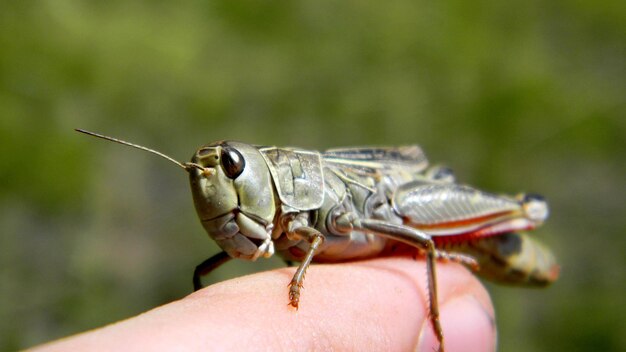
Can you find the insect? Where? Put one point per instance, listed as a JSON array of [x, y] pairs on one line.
[[354, 203]]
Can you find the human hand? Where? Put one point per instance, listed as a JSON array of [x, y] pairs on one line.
[[373, 305]]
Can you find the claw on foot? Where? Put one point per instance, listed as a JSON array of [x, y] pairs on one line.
[[294, 295], [293, 304], [294, 300]]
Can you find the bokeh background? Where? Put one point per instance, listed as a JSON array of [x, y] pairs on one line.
[[515, 96]]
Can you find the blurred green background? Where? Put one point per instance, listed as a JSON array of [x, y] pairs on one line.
[[515, 96]]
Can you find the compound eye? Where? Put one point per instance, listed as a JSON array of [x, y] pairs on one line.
[[232, 162]]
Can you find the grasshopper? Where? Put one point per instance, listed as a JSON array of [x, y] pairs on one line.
[[354, 203]]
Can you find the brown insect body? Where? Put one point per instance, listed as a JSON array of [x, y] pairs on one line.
[[353, 203]]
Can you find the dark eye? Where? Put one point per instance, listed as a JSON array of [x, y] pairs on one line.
[[232, 162]]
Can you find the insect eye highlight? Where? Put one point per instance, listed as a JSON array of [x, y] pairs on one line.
[[232, 162]]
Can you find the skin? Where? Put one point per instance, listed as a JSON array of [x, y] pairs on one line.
[[376, 305]]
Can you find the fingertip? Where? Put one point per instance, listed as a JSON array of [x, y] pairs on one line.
[[466, 311], [467, 326], [466, 314], [370, 305]]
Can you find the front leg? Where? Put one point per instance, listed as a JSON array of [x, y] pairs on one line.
[[207, 266], [315, 238]]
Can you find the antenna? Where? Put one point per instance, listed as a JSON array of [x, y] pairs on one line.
[[186, 166]]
